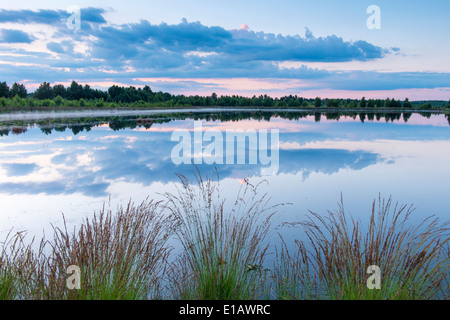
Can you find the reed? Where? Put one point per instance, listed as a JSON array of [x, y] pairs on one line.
[[120, 256], [8, 279], [218, 250], [341, 250], [293, 274], [17, 259], [222, 249]]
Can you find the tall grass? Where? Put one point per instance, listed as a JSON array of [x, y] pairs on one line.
[[120, 256], [197, 245], [293, 274], [223, 249], [446, 283], [13, 257], [411, 258]]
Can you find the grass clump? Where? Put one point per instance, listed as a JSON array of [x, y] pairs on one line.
[[411, 258], [17, 261], [222, 249], [293, 275], [120, 256], [11, 259]]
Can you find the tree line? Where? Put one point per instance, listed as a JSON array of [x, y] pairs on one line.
[[77, 125], [79, 95]]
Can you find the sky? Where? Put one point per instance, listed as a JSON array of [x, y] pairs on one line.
[[320, 48]]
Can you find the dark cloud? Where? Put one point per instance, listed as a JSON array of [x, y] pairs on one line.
[[145, 41], [29, 16], [93, 15], [267, 46], [46, 16], [55, 47], [15, 36], [19, 169]]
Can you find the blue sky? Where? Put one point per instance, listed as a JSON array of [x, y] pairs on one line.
[[309, 48]]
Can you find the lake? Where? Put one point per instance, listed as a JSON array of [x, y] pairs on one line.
[[71, 164]]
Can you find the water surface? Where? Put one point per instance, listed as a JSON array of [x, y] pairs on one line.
[[73, 164]]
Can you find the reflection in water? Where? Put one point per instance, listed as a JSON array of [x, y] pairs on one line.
[[73, 165], [77, 125], [138, 166]]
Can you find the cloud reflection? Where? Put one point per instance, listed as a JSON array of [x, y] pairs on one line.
[[91, 163]]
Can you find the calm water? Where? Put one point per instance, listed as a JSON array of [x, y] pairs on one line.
[[73, 165]]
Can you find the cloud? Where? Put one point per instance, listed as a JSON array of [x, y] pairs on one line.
[[93, 15], [64, 47], [55, 47], [127, 53], [244, 27], [305, 148], [29, 16], [47, 16], [364, 80], [270, 47], [143, 39], [19, 169], [116, 162], [143, 42], [14, 36]]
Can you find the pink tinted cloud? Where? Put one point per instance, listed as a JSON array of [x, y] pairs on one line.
[[249, 87], [411, 94], [275, 123], [281, 87]]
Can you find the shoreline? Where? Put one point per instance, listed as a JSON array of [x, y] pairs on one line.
[[75, 112]]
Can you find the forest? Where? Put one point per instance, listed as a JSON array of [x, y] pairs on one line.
[[83, 96]]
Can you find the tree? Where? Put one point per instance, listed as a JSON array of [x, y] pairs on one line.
[[75, 91], [426, 106], [147, 89], [58, 100], [18, 90], [60, 90], [317, 102], [352, 104], [407, 104], [362, 103], [45, 91], [114, 91], [87, 92], [4, 90], [332, 103]]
